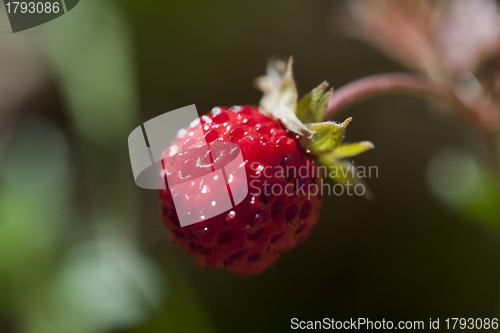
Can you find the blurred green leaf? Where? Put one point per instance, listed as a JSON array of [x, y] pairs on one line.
[[466, 185], [34, 187], [351, 149], [183, 310], [105, 284], [92, 56]]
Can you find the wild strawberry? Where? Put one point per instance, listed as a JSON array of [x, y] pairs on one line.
[[283, 201]]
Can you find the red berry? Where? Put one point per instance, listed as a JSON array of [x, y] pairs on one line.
[[254, 234]]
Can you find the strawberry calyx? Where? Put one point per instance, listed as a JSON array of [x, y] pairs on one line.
[[322, 139]]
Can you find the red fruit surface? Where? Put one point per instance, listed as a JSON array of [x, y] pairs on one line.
[[256, 232]]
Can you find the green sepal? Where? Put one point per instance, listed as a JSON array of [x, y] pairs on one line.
[[351, 149], [344, 173], [312, 107], [286, 84], [280, 96], [328, 136]]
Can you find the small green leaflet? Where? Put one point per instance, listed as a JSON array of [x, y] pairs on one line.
[[328, 136]]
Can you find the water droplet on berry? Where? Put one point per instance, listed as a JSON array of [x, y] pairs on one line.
[[173, 150], [215, 111], [230, 216], [258, 169], [249, 122], [202, 230], [236, 108], [206, 119], [181, 133], [194, 123], [254, 202]]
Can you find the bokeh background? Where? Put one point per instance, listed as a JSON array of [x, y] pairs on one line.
[[82, 249]]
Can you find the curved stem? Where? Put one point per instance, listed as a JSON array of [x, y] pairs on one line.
[[484, 116]]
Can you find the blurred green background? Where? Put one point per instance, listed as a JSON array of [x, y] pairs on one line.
[[82, 249]]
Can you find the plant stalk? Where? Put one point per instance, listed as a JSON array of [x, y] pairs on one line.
[[484, 116]]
